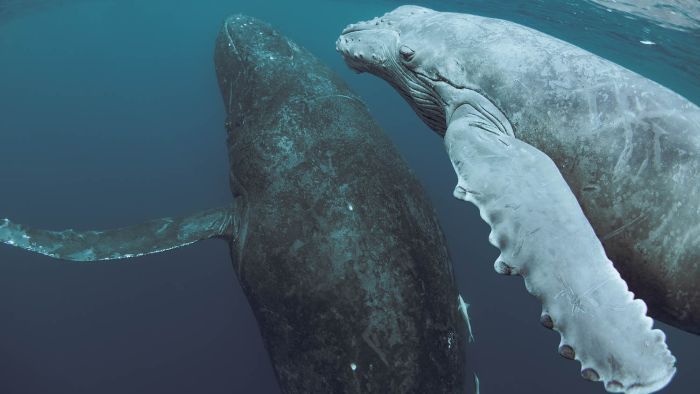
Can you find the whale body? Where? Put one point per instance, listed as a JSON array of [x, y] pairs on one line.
[[332, 237]]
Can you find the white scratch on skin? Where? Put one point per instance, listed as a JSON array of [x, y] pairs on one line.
[[340, 96], [373, 346], [574, 299], [622, 228], [463, 307], [647, 42], [476, 384]]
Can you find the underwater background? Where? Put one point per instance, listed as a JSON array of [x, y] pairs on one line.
[[110, 114]]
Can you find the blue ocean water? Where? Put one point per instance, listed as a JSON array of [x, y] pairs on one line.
[[110, 114]]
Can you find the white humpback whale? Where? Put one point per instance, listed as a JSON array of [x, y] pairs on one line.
[[575, 162]]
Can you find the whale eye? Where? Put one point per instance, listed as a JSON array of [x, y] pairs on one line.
[[406, 53]]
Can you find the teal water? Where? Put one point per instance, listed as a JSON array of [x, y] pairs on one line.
[[110, 113]]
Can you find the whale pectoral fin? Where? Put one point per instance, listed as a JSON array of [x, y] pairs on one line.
[[146, 238], [544, 236]]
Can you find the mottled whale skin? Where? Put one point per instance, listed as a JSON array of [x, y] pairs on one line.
[[575, 162], [628, 147], [332, 237], [342, 257]]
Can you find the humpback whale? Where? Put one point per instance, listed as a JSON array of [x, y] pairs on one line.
[[575, 162], [331, 236]]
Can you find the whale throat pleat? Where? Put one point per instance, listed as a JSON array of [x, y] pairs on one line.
[[150, 237], [544, 237], [426, 103]]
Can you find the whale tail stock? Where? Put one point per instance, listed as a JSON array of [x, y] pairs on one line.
[[149, 237]]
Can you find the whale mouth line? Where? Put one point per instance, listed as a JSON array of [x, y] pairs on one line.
[[351, 29], [366, 26]]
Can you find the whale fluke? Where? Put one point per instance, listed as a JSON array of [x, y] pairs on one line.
[[150, 237]]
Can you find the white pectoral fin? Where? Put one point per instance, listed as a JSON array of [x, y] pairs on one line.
[[543, 235], [153, 236]]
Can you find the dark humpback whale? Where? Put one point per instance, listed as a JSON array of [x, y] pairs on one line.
[[333, 240]]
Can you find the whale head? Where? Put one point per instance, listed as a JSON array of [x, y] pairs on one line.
[[402, 47], [249, 58]]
